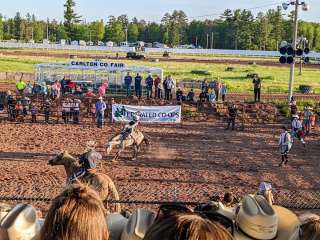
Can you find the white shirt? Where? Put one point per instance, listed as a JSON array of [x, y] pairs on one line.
[[296, 124], [284, 138]]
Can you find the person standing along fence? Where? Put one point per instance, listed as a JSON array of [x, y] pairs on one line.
[[128, 82], [47, 109], [149, 84], [137, 85], [76, 111], [100, 108], [157, 87], [223, 92], [256, 88]]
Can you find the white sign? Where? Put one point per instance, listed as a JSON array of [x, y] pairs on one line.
[[149, 114], [99, 64]]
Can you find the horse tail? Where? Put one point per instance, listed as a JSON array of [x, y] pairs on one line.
[[115, 195]]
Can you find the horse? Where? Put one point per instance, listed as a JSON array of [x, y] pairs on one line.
[[100, 182], [135, 139]]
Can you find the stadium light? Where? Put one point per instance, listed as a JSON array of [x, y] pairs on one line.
[[305, 7]]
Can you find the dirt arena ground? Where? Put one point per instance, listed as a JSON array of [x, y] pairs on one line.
[[187, 162]]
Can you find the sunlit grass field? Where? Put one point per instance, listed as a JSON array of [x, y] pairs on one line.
[[274, 79]]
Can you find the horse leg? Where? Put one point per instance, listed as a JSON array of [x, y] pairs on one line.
[[136, 150]]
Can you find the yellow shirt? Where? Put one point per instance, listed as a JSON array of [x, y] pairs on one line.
[[21, 85]]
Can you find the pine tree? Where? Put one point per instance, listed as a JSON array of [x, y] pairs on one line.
[[70, 17]]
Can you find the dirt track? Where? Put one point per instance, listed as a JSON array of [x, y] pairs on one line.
[[186, 162]]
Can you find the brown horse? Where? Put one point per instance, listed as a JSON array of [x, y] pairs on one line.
[[98, 181]]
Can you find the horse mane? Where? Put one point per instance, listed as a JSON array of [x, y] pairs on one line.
[[67, 155]]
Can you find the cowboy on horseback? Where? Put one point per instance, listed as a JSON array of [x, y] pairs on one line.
[[130, 128], [87, 161]]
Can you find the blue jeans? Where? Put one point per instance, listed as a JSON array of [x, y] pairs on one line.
[[138, 91], [100, 119], [128, 87]]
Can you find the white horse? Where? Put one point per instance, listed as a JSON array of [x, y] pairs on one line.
[[135, 139]]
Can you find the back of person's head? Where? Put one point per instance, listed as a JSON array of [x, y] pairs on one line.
[[310, 227], [76, 214], [186, 227]]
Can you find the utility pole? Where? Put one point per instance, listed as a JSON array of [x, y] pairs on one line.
[[207, 40], [294, 46], [32, 33], [196, 41], [126, 34], [211, 40]]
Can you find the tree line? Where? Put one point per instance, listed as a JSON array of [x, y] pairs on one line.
[[234, 29]]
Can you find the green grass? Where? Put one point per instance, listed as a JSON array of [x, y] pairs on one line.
[[274, 79], [285, 109]]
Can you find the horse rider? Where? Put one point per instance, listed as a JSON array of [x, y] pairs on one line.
[[297, 130], [130, 128], [87, 161]]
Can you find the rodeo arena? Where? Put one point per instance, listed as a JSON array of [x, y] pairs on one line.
[[154, 156]]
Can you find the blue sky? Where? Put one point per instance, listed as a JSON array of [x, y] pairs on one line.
[[147, 9]]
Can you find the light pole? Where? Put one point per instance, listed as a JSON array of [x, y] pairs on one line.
[[305, 7]]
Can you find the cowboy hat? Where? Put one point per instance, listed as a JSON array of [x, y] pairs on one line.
[[138, 224], [91, 144], [295, 116], [116, 223], [264, 186], [21, 223], [4, 210], [256, 219]]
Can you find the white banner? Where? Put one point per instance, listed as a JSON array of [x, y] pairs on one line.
[[148, 114]]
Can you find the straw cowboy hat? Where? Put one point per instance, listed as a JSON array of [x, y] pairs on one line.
[[21, 223], [256, 219], [116, 223], [138, 224], [91, 145]]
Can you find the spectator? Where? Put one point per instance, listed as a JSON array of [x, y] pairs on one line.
[[47, 110], [232, 114], [149, 85], [297, 130], [102, 90], [29, 89], [293, 107], [100, 108], [205, 86], [137, 85], [285, 145], [170, 86], [165, 87], [55, 89], [76, 111], [25, 101], [64, 85], [128, 82], [190, 96], [307, 115], [212, 98], [21, 85], [10, 105], [43, 89], [19, 109], [71, 86], [77, 213], [256, 87], [186, 226], [36, 88], [217, 87], [89, 93], [179, 96], [203, 97], [66, 110], [33, 111], [310, 227], [223, 92], [78, 90], [157, 87]]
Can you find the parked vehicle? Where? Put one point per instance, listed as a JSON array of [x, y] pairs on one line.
[[135, 55], [82, 43], [109, 44]]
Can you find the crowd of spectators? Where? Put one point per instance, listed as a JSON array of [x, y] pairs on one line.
[[78, 213]]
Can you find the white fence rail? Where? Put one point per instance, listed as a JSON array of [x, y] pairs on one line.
[[313, 55], [64, 47]]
